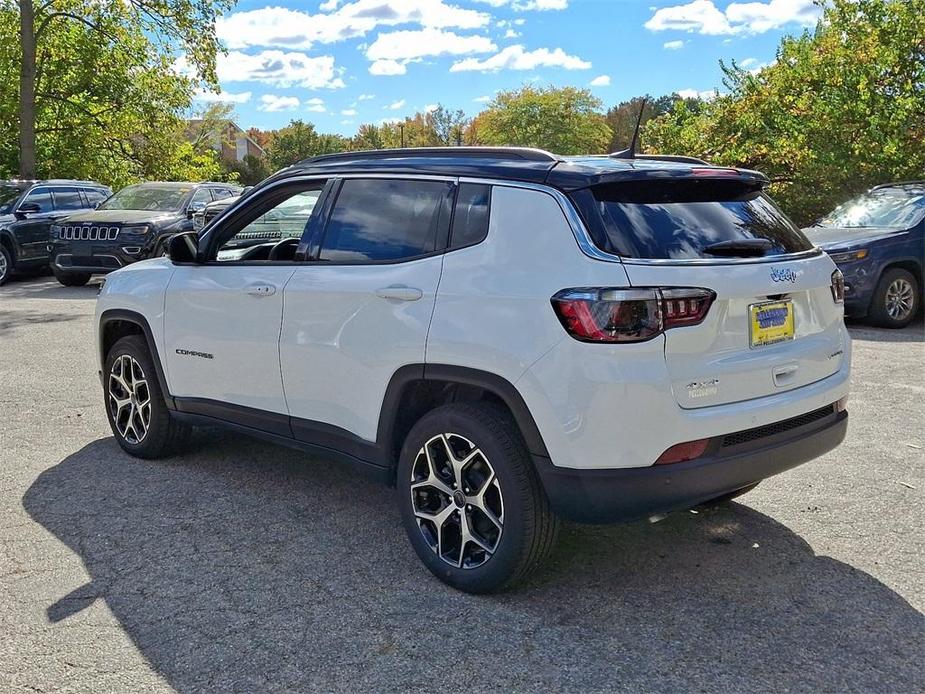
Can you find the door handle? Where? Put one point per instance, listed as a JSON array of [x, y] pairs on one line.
[[260, 289], [399, 292]]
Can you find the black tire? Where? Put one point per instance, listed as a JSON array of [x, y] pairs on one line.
[[163, 435], [726, 498], [880, 306], [71, 279], [529, 528], [6, 265]]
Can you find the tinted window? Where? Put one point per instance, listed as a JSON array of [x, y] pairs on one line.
[[201, 198], [40, 197], [9, 194], [470, 220], [94, 196], [376, 220], [221, 193], [679, 218], [67, 199]]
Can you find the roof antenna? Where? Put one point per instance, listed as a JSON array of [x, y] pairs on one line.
[[630, 153]]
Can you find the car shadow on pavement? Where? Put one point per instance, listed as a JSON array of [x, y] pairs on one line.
[[43, 287], [914, 332], [246, 567], [12, 320]]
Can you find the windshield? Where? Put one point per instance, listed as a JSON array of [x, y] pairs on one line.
[[8, 195], [683, 218], [148, 197], [893, 208]]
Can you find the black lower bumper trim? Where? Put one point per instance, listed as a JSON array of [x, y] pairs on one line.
[[625, 494]]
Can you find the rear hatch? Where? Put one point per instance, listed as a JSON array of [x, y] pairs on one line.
[[774, 325]]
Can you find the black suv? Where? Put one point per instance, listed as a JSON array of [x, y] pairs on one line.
[[132, 225], [27, 211]]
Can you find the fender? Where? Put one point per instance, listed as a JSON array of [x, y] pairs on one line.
[[118, 314], [463, 375], [12, 243]]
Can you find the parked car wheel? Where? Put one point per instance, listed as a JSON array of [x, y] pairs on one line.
[[6, 265], [471, 502], [135, 406], [896, 299], [71, 279]]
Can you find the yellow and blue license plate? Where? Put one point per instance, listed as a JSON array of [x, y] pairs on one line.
[[770, 323]]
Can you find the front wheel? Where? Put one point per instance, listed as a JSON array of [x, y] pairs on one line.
[[471, 502], [896, 299], [135, 407], [71, 279], [6, 265]]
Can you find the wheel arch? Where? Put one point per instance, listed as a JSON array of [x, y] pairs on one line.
[[910, 264], [118, 323], [415, 389], [8, 241]]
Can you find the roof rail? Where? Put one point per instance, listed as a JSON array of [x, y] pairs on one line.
[[681, 159], [501, 153]]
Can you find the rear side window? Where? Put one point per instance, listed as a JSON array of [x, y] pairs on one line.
[[379, 220], [95, 196], [470, 219], [680, 218], [67, 199]]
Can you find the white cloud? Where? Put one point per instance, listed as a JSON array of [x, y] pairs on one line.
[[520, 22], [387, 68], [395, 105], [516, 58], [482, 99], [673, 45], [431, 107], [391, 52], [748, 62], [223, 97], [528, 5], [279, 69], [706, 95], [511, 34], [703, 17], [315, 105], [273, 103], [601, 81], [291, 29], [348, 112], [328, 5], [366, 97]]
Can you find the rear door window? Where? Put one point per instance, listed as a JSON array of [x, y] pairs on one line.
[[67, 199], [680, 218], [380, 220], [95, 196]]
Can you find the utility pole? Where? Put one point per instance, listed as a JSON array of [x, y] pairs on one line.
[[401, 128]]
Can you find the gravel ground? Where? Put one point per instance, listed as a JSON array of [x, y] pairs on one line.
[[245, 567]]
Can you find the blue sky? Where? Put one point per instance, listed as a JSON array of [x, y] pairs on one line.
[[341, 63]]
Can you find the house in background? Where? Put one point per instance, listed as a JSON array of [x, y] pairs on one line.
[[228, 139]]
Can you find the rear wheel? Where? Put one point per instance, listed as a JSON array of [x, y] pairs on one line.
[[6, 265], [135, 407], [471, 502], [896, 299], [71, 279]]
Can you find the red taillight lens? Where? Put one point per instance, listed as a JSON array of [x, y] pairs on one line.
[[683, 451], [596, 314]]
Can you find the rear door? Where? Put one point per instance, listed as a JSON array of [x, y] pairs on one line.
[[361, 309], [774, 325]]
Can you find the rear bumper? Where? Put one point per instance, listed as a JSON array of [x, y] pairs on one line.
[[730, 463]]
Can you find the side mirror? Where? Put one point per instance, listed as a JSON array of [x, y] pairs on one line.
[[193, 208], [184, 248], [26, 208]]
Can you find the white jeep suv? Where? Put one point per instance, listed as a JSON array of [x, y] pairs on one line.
[[506, 336]]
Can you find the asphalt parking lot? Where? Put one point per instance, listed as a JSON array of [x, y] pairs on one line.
[[245, 567]]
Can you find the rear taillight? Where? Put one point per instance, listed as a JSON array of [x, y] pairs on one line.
[[838, 287], [595, 314]]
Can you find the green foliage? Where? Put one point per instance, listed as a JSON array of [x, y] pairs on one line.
[[300, 140], [841, 109], [109, 104], [622, 117], [249, 172], [564, 120]]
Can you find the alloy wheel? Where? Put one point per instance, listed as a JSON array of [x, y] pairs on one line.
[[457, 501], [129, 399], [4, 268], [899, 299]]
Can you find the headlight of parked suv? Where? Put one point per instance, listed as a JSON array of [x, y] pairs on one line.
[[849, 256], [55, 232], [135, 229]]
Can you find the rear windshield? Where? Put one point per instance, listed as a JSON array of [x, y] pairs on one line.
[[680, 218]]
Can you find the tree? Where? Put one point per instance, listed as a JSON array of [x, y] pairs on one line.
[[842, 108], [448, 126], [152, 28], [248, 172], [261, 137], [622, 117], [565, 120], [300, 140]]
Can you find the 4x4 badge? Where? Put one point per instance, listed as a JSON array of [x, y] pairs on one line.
[[783, 275]]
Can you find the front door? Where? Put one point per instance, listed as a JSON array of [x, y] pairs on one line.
[[33, 230], [222, 317]]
